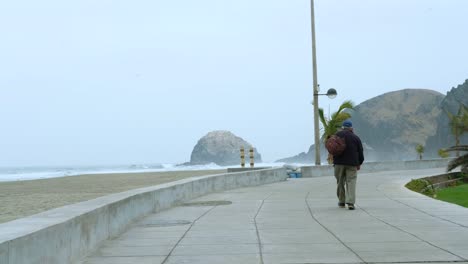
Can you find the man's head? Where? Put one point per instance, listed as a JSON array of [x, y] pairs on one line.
[[347, 124]]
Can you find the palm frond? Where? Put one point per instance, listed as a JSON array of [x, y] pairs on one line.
[[464, 108], [461, 110], [346, 105], [458, 148], [339, 115], [342, 117], [464, 118], [322, 117], [458, 123], [449, 114], [460, 161], [331, 125], [325, 123]]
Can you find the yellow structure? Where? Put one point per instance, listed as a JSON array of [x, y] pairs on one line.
[[251, 153], [242, 156]]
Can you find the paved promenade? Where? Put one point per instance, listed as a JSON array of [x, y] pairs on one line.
[[298, 221]]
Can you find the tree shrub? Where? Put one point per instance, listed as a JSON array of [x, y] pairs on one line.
[[421, 186]]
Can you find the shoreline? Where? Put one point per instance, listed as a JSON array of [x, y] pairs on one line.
[[20, 199]]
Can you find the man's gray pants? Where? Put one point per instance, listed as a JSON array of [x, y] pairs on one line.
[[346, 183]]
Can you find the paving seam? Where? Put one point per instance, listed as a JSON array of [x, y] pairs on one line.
[[183, 236], [329, 231], [424, 212], [413, 235], [257, 231], [419, 262]]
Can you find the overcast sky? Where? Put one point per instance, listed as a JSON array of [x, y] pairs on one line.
[[122, 82]]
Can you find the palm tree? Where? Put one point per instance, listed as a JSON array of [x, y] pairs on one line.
[[443, 153], [420, 150], [458, 124], [333, 123], [459, 161]]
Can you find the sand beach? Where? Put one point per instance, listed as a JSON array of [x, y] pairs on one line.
[[24, 198]]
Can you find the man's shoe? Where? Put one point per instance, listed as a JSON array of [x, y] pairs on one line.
[[351, 206], [341, 205]]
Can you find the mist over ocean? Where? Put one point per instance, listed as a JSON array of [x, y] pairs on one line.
[[34, 173]]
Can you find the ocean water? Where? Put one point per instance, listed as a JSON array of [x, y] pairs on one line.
[[33, 173]]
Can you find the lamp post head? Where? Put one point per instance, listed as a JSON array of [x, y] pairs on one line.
[[331, 93]]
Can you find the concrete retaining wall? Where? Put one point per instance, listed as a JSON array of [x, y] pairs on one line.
[[229, 170], [66, 234], [327, 170], [445, 180]]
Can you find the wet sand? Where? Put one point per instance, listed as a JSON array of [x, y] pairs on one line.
[[24, 198]]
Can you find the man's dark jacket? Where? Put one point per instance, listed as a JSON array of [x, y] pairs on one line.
[[353, 154]]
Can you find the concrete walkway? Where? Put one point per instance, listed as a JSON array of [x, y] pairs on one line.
[[298, 221]]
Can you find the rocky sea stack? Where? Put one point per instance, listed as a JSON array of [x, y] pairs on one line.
[[221, 147]]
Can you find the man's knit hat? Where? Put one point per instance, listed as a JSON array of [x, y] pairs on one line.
[[347, 123]]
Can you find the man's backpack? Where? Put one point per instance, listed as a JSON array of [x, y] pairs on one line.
[[335, 145]]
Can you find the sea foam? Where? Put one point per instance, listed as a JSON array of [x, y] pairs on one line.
[[34, 173]]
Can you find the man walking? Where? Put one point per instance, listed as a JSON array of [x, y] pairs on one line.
[[346, 166]]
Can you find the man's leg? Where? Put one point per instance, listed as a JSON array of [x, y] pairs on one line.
[[340, 175], [351, 177]]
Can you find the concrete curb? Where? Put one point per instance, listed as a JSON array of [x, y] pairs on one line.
[[327, 170], [66, 234]]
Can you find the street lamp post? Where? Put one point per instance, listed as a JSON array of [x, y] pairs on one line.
[[314, 74], [331, 93]]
